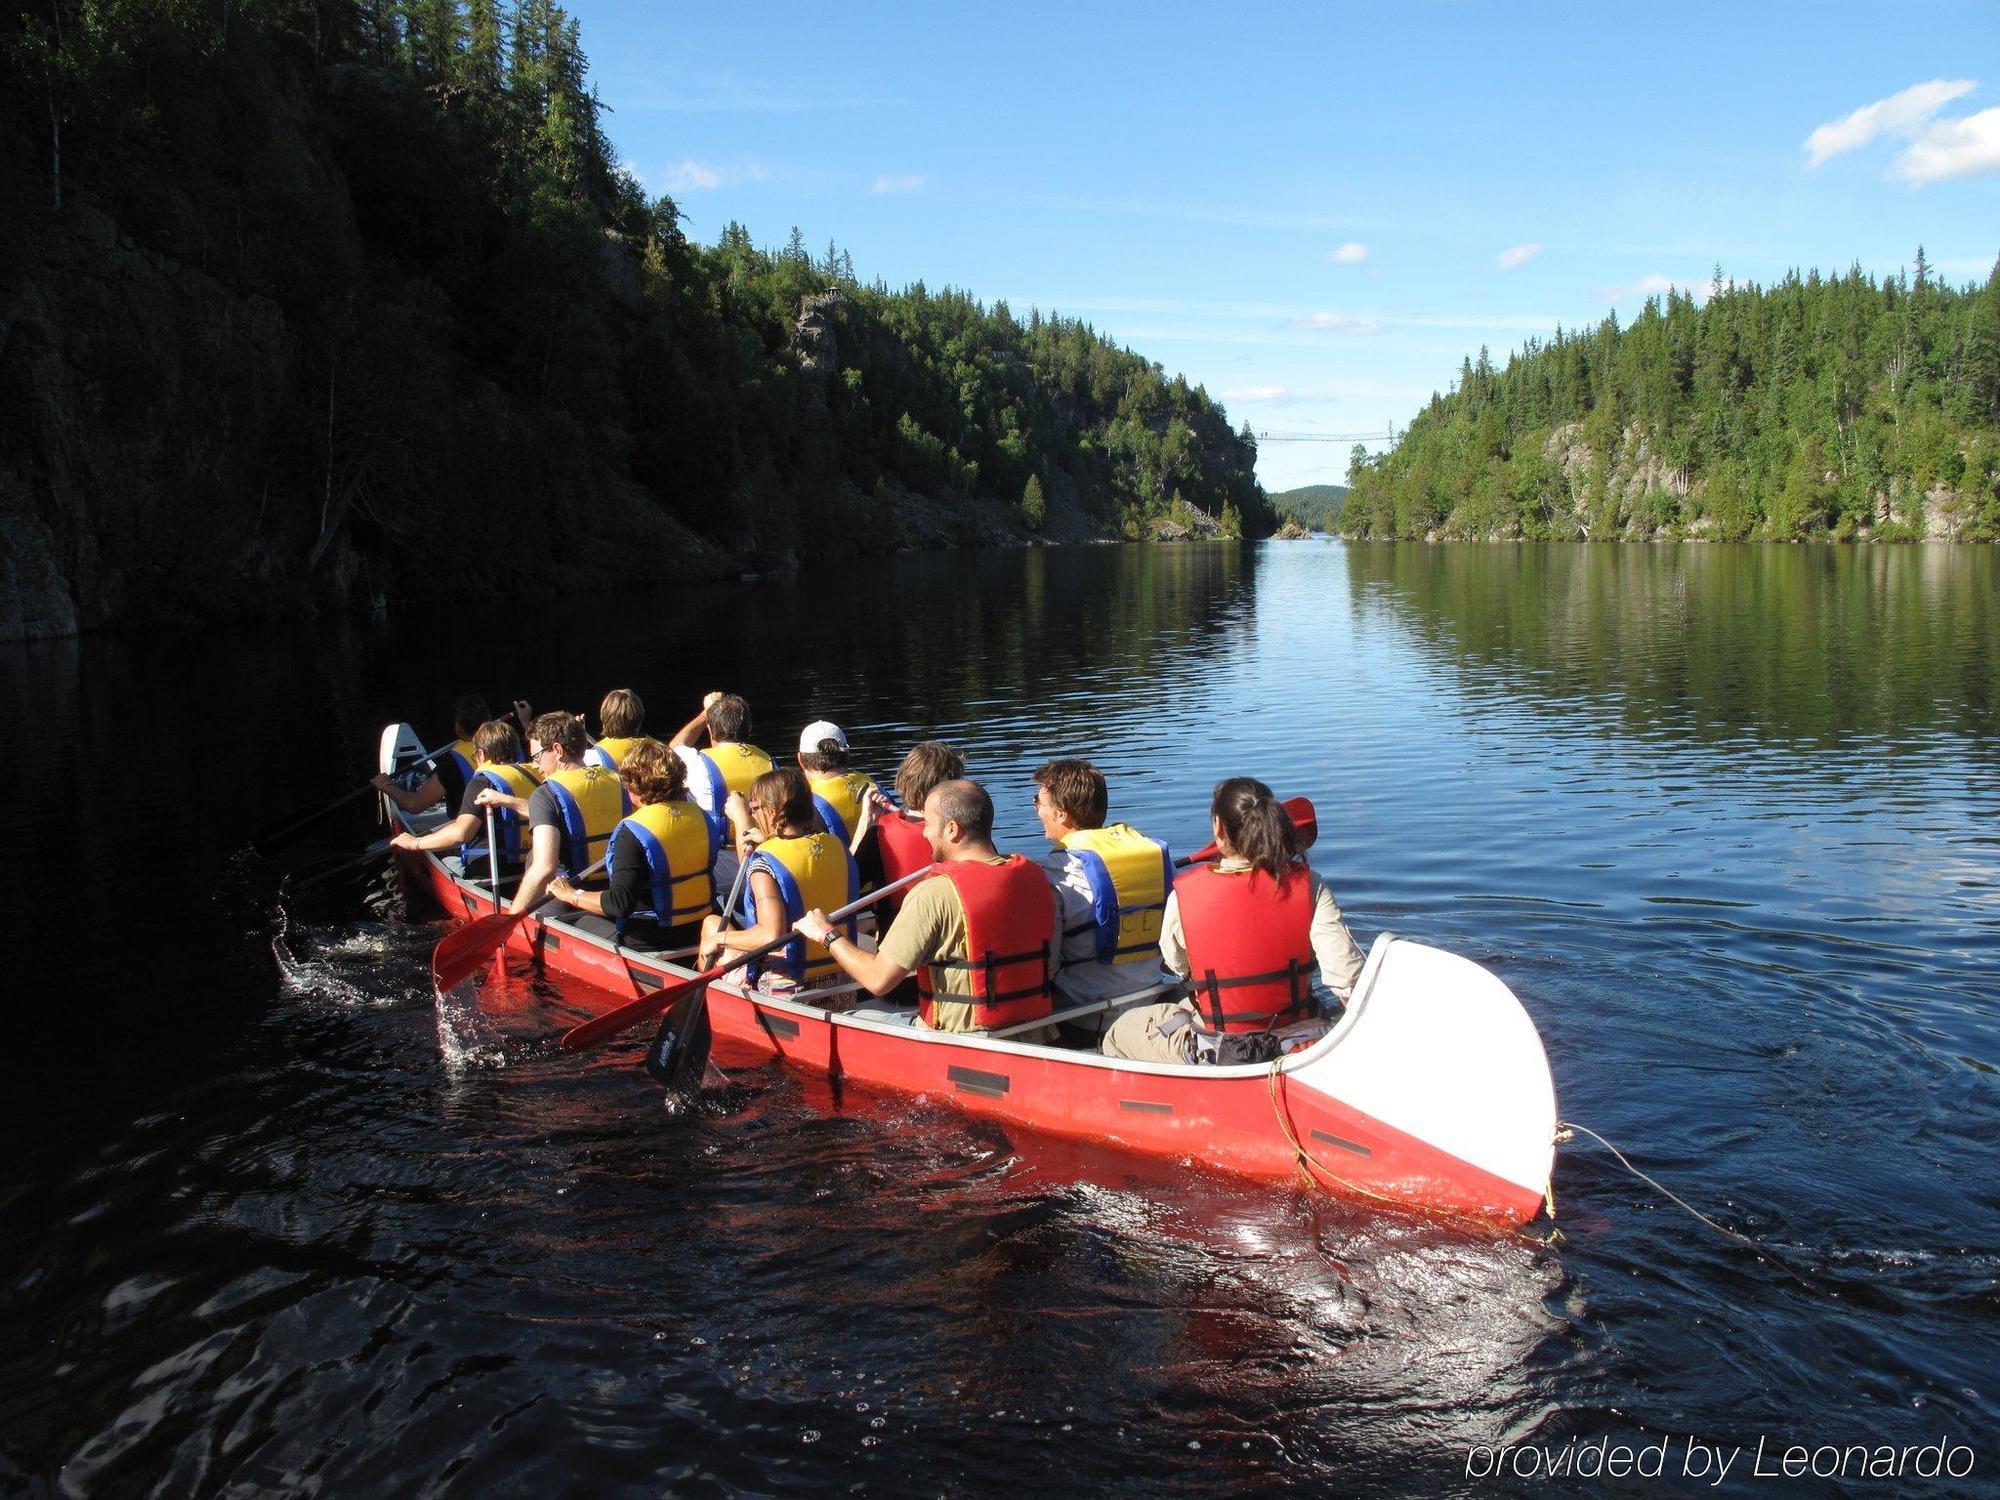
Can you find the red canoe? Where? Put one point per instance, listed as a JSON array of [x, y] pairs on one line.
[[1431, 1091]]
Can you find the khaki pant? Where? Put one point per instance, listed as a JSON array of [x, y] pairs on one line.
[[1153, 1033]]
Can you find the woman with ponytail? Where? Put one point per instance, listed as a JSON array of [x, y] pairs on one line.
[[1247, 931]]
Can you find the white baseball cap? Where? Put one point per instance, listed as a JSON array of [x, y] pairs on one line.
[[820, 729]]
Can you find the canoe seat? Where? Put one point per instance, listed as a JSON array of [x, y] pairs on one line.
[[872, 1009]]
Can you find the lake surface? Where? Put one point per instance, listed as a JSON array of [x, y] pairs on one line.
[[1723, 817]]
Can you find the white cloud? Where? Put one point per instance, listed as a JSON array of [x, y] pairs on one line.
[[1899, 114], [1654, 285], [1516, 255], [1256, 393], [695, 176], [1329, 322], [908, 182], [1947, 149], [689, 175], [1350, 254]]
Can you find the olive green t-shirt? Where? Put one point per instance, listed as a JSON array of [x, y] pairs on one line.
[[930, 929]]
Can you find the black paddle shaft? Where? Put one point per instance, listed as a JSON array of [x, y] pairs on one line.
[[678, 1054]]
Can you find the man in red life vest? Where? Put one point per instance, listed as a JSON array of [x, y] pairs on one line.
[[980, 935], [1247, 931]]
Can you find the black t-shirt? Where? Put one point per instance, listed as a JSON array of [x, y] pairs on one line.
[[451, 778], [543, 809], [631, 886]]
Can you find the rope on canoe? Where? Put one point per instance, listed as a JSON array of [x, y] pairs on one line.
[[1564, 1131], [1304, 1160]]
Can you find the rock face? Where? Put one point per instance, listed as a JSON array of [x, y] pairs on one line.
[[140, 393], [1188, 524], [816, 344], [1635, 473], [1290, 531]]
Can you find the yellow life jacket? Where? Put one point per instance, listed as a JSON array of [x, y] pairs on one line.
[[839, 799], [589, 803], [464, 755], [1130, 876], [679, 845], [515, 781], [814, 870], [731, 768], [610, 754]]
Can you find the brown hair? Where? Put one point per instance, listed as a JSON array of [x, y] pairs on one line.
[[728, 720], [786, 791], [560, 731], [622, 714], [468, 712], [498, 742], [923, 768], [653, 773], [830, 756], [1076, 787], [965, 803], [1256, 824]]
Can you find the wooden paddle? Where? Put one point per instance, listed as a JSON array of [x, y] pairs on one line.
[[314, 873], [1298, 809], [464, 951], [281, 831], [630, 1014]]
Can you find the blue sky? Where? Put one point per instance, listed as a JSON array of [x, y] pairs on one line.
[[1316, 212]]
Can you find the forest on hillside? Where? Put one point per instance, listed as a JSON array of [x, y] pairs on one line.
[[348, 299], [1316, 507], [1840, 407]]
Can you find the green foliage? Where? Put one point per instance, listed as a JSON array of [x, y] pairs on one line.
[[508, 329], [1316, 507], [1818, 407], [1034, 507]]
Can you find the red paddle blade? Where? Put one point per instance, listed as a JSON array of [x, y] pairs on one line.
[[1298, 809], [1304, 819], [631, 1013], [462, 953]]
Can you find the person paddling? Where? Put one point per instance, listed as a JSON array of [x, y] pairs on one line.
[[1112, 881], [570, 815], [1247, 930], [622, 717], [899, 833], [662, 859], [792, 865], [838, 792], [980, 936], [730, 764], [497, 753], [451, 770]]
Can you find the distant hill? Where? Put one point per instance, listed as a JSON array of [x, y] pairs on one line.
[[1314, 506], [1820, 406]]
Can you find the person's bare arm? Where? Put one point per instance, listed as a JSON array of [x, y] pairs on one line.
[[876, 974], [462, 829], [542, 861], [690, 733]]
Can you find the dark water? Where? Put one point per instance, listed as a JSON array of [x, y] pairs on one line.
[[1723, 817]]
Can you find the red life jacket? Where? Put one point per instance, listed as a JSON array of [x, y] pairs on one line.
[[1249, 946], [1009, 921], [903, 846]]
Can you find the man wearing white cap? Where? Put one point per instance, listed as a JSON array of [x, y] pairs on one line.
[[838, 793]]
